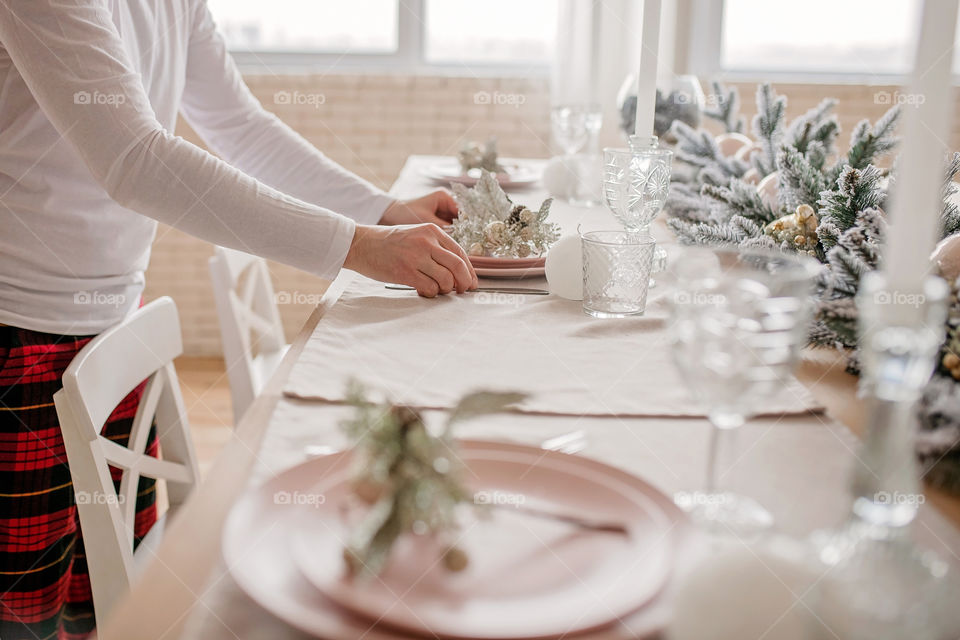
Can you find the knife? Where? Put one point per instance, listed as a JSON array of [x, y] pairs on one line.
[[516, 290]]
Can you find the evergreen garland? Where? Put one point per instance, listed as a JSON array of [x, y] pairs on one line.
[[719, 207]]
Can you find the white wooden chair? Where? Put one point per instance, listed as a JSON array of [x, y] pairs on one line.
[[250, 326], [101, 375]]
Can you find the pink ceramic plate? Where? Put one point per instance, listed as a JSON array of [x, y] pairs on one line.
[[521, 272], [516, 175], [257, 550], [528, 577], [507, 263]]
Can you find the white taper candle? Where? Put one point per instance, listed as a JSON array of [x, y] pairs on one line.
[[915, 205], [647, 78]]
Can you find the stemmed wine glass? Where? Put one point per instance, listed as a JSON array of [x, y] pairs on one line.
[[575, 126], [636, 182], [576, 131], [739, 321]]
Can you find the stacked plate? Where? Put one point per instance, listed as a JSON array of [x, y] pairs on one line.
[[528, 576], [513, 175], [487, 267]]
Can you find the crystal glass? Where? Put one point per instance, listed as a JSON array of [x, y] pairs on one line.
[[739, 321], [616, 273], [586, 169], [576, 127], [880, 584], [636, 182]]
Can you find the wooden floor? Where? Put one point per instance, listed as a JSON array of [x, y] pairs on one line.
[[206, 393]]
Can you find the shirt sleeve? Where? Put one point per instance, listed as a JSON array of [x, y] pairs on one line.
[[69, 48], [233, 123]]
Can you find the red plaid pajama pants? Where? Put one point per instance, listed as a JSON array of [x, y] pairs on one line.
[[44, 586]]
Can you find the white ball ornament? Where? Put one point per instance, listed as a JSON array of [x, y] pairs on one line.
[[946, 257], [768, 190], [752, 176], [559, 178], [745, 153], [741, 593], [564, 268], [730, 143]]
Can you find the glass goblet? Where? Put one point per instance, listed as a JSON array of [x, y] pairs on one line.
[[573, 126], [739, 322], [636, 182]]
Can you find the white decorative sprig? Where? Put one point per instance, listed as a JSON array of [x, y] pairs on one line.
[[490, 224], [474, 155]]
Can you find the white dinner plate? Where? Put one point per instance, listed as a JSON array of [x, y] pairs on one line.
[[514, 174], [258, 532]]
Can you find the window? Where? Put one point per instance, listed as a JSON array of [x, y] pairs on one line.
[[469, 35], [357, 26], [474, 31], [854, 36], [865, 38]]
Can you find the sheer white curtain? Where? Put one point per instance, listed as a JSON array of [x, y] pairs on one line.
[[598, 44]]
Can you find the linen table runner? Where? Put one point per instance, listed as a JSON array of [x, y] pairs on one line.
[[428, 353]]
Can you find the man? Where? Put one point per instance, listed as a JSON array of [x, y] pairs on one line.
[[89, 95]]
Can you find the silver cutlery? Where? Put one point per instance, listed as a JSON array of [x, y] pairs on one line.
[[515, 290], [572, 442]]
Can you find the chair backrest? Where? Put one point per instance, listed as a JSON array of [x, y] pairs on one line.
[[249, 321], [141, 348]]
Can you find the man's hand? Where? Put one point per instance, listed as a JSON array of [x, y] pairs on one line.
[[421, 256], [437, 207]]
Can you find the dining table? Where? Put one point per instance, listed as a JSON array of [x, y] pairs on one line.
[[796, 459]]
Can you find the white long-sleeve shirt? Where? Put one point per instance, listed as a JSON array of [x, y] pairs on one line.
[[89, 95]]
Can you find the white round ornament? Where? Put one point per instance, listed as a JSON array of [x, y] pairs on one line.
[[745, 153], [740, 593], [564, 268], [768, 189], [752, 176], [946, 257], [559, 178], [730, 143]]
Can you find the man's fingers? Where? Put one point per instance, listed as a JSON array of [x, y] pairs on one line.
[[425, 285], [451, 245], [463, 278], [446, 206], [439, 274]]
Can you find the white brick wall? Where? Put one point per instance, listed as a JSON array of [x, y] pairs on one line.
[[371, 123]]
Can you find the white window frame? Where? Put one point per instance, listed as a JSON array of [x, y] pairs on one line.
[[408, 58], [700, 43]]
